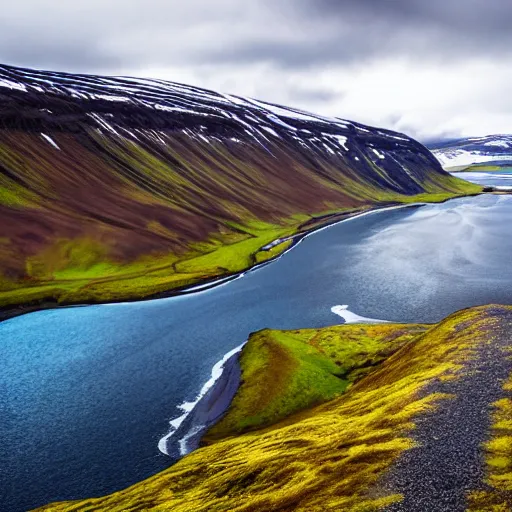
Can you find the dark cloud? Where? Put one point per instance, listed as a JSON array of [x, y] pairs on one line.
[[289, 34], [288, 54], [477, 16], [346, 31], [338, 57], [53, 54]]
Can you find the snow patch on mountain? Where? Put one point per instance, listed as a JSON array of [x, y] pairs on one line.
[[463, 153], [500, 143], [129, 107]]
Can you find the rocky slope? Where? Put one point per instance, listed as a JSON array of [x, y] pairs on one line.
[[460, 154], [120, 187]]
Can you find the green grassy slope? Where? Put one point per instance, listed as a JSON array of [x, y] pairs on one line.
[[92, 266], [285, 372]]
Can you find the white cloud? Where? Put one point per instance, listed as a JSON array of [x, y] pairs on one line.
[[423, 99], [407, 65]]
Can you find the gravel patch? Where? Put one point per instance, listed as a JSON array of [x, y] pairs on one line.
[[449, 461]]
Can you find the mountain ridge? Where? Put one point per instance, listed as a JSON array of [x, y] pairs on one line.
[[118, 188], [460, 154]]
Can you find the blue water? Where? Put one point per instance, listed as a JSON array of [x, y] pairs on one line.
[[501, 178], [87, 392]]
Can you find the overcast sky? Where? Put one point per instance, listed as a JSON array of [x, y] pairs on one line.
[[430, 68]]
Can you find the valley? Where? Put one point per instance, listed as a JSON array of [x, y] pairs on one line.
[[116, 188], [252, 231]]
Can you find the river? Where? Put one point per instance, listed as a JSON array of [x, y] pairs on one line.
[[86, 393]]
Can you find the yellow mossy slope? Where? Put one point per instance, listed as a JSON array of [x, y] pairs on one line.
[[325, 458], [498, 496]]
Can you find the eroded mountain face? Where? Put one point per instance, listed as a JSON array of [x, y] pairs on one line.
[[124, 167]]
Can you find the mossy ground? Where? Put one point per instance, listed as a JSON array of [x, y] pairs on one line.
[[113, 218], [80, 270], [328, 457]]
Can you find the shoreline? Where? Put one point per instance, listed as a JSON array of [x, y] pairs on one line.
[[325, 221], [210, 405]]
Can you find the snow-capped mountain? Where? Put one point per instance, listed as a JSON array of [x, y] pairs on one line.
[[126, 107], [100, 169], [459, 154]]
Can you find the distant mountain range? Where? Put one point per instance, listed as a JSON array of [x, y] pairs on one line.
[[118, 187], [459, 154]]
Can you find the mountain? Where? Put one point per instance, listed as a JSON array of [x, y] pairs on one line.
[[459, 154], [119, 188]]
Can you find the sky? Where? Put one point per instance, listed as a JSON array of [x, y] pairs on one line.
[[432, 69]]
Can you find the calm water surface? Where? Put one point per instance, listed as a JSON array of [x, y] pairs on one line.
[[86, 393], [501, 178]]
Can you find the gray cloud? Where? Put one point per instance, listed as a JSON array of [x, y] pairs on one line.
[[336, 31], [302, 95], [316, 54], [477, 16], [53, 54], [293, 34]]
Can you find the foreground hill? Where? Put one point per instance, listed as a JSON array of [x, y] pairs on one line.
[[118, 188], [492, 151], [414, 418]]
